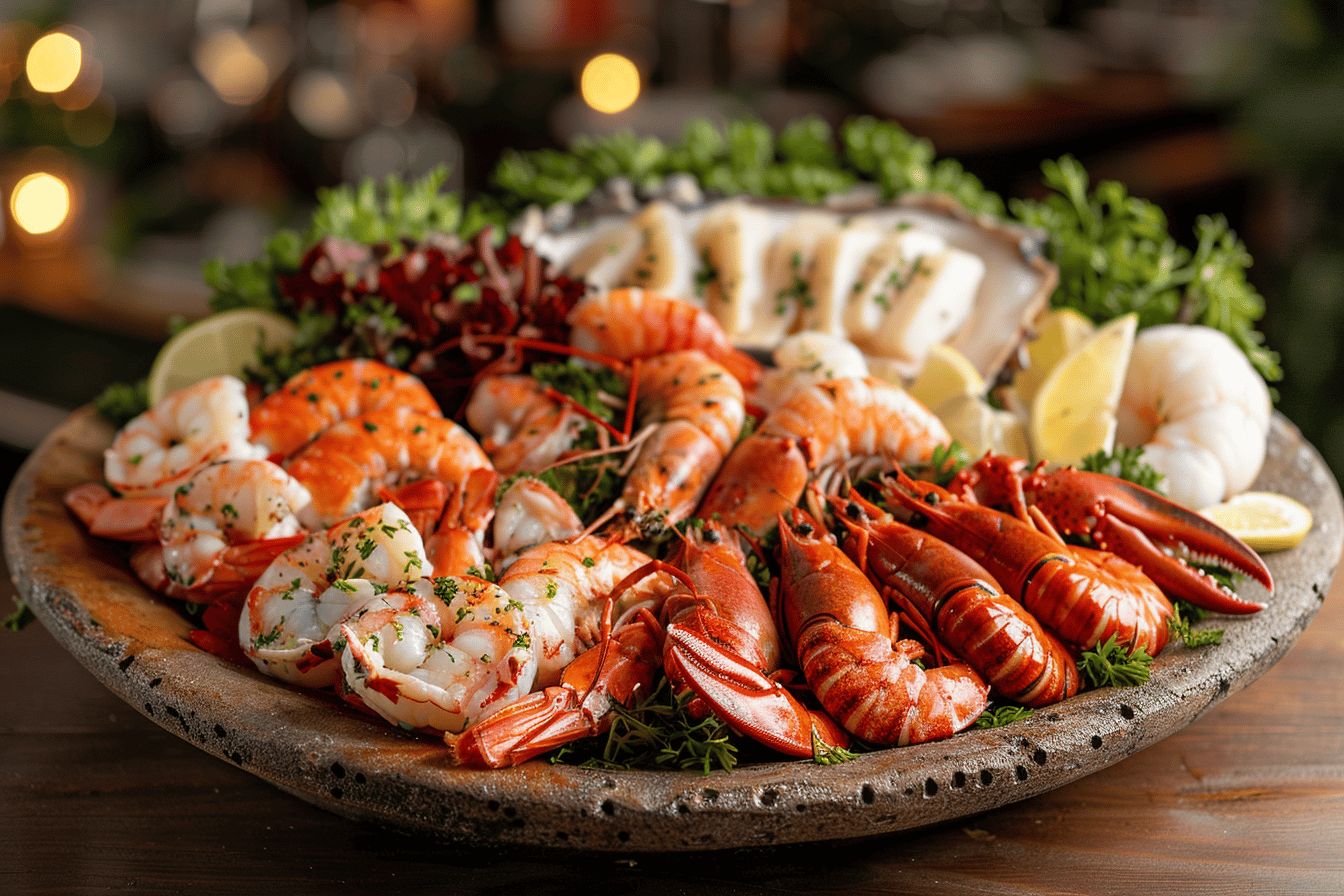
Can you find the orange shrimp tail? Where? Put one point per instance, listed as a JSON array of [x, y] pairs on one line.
[[615, 671], [123, 519]]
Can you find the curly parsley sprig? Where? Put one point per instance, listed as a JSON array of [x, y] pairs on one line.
[[1125, 463]]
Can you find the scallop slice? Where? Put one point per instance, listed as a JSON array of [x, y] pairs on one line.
[[732, 240], [835, 275], [886, 270], [603, 261], [788, 267], [666, 260], [927, 305]]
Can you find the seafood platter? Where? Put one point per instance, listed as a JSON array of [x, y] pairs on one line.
[[688, 512]]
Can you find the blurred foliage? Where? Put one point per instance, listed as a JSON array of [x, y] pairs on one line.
[[1293, 119]]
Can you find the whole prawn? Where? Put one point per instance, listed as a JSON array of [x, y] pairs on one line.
[[1083, 595], [842, 427], [839, 628], [637, 323], [957, 605]]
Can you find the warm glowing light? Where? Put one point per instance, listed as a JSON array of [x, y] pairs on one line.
[[609, 83], [40, 202], [54, 61], [233, 67]]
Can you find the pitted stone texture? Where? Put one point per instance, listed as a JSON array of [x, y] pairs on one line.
[[322, 752]]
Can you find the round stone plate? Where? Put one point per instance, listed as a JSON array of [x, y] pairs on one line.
[[311, 746]]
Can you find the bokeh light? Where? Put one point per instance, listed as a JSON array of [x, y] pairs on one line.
[[53, 62], [233, 67], [609, 83], [40, 202]]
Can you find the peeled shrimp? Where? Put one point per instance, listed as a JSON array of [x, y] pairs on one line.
[[843, 427], [530, 513], [1199, 410], [636, 323], [315, 399], [228, 503], [158, 450], [291, 612], [805, 359], [345, 467], [439, 655], [520, 427], [562, 586]]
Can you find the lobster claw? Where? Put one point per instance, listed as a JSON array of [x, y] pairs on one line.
[[1137, 524], [747, 700]]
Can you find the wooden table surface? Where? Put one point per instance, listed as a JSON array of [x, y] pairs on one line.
[[1249, 799]]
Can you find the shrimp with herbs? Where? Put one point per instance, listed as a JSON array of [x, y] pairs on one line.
[[187, 429], [438, 654], [289, 617], [312, 401]]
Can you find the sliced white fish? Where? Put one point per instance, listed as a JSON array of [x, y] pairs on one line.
[[666, 260], [927, 306], [835, 275], [788, 269], [607, 257], [732, 240]]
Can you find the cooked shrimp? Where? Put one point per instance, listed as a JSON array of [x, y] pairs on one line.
[[291, 612], [634, 323], [531, 513], [345, 467], [157, 451], [844, 427], [1199, 410], [562, 587], [228, 503], [313, 400], [805, 359], [439, 655], [521, 428], [697, 410]]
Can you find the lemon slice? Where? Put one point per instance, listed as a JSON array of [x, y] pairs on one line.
[[1266, 521], [1073, 414], [980, 428], [946, 374], [221, 343], [1058, 333]]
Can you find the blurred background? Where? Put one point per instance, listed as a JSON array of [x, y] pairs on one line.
[[141, 137]]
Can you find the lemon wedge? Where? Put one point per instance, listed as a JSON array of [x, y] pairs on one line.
[[1058, 333], [1073, 414], [219, 344], [980, 428], [1266, 521], [946, 374]]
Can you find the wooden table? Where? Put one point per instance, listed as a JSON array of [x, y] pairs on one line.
[[1250, 799]]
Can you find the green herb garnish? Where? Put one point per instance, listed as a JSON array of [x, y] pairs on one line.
[[1125, 463], [1183, 617], [1111, 664], [998, 716]]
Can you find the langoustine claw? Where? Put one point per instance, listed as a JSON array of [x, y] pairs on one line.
[[1150, 531]]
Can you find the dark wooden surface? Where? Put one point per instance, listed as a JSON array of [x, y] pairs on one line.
[[1249, 799]]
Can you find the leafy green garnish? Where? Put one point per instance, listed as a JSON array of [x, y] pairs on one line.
[[998, 716], [1110, 664], [945, 463], [1125, 463], [1116, 255], [119, 403], [1184, 615], [374, 331], [586, 385], [21, 616], [658, 732]]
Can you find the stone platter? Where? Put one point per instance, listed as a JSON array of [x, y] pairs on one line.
[[314, 748]]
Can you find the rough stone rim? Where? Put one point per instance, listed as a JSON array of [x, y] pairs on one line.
[[345, 763]]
